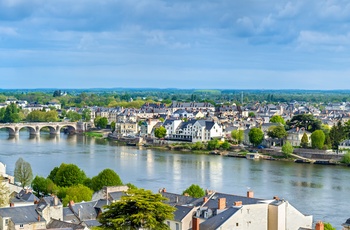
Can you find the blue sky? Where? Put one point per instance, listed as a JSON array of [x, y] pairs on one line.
[[224, 44]]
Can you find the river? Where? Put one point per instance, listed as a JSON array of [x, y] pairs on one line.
[[322, 191]]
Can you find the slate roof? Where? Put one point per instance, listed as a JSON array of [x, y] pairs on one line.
[[347, 223], [24, 196], [230, 200], [57, 224], [85, 210], [69, 216], [22, 214], [216, 221], [116, 195], [207, 124], [181, 212], [47, 201], [176, 199]]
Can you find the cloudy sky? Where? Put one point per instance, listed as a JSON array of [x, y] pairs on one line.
[[224, 44]]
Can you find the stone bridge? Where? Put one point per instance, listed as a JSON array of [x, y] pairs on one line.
[[35, 127]]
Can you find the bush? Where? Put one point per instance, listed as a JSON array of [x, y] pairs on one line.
[[346, 158]]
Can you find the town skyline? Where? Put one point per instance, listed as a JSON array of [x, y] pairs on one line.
[[160, 44]]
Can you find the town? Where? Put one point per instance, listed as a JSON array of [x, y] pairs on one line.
[[294, 130]]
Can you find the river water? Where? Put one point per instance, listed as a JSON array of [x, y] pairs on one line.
[[321, 191]]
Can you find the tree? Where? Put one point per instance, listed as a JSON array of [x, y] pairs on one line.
[[113, 126], [86, 115], [139, 208], [277, 119], [346, 158], [304, 143], [4, 193], [213, 144], [40, 185], [317, 139], [277, 132], [337, 134], [23, 172], [107, 177], [238, 135], [73, 116], [328, 226], [160, 132], [256, 136], [308, 121], [287, 149], [101, 122], [68, 175], [225, 145], [251, 114], [195, 191], [77, 193], [11, 114]]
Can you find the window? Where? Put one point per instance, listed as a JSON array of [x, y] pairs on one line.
[[177, 226], [168, 223], [21, 225], [237, 224], [6, 222]]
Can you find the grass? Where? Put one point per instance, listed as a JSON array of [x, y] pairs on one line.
[[94, 134]]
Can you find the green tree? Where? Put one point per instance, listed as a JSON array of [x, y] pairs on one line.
[[107, 177], [277, 119], [337, 134], [213, 144], [251, 114], [308, 121], [277, 132], [77, 193], [113, 126], [328, 226], [23, 172], [256, 136], [11, 114], [317, 139], [139, 208], [68, 175], [346, 158], [304, 143], [237, 135], [225, 145], [198, 146], [86, 115], [287, 149], [194, 191], [160, 132], [101, 122], [4, 193], [73, 116], [40, 185]]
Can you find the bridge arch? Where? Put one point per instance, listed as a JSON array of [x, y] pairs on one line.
[[68, 128], [11, 130]]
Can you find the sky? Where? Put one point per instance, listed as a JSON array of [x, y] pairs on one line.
[[204, 44]]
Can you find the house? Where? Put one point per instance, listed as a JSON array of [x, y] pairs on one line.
[[23, 217], [58, 224], [294, 136], [23, 198], [182, 218], [225, 212], [344, 145], [346, 225], [191, 106]]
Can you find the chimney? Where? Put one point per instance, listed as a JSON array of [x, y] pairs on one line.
[[319, 226], [237, 203], [276, 198], [250, 194], [195, 223], [164, 190], [205, 200], [27, 191], [38, 218], [222, 203], [12, 204], [55, 200], [297, 129], [71, 203], [186, 194]]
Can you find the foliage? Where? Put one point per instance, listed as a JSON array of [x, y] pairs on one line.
[[77, 193], [251, 114], [42, 116], [287, 149], [277, 132], [308, 121], [337, 134], [346, 158], [107, 177], [23, 172], [139, 208], [256, 136], [195, 191], [213, 144], [317, 139], [225, 145], [86, 115], [304, 143], [4, 193], [160, 132], [277, 119], [198, 146], [40, 185], [68, 175], [93, 134], [101, 122], [11, 114], [328, 226], [112, 126], [237, 135], [73, 116]]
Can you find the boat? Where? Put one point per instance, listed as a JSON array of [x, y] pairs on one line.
[[302, 161], [252, 156]]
